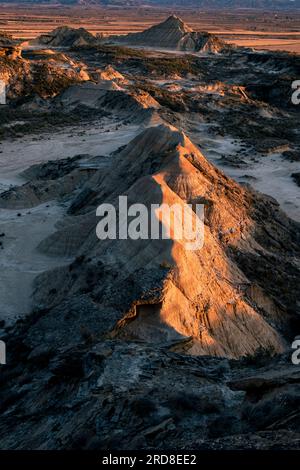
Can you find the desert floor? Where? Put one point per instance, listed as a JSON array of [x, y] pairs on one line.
[[21, 261]]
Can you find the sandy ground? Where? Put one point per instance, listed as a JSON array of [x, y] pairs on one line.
[[20, 261]]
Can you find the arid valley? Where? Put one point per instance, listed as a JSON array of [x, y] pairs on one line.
[[142, 343]]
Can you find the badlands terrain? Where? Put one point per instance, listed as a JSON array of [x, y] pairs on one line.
[[138, 344]]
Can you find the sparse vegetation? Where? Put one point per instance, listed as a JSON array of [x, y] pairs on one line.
[[130, 58], [15, 122]]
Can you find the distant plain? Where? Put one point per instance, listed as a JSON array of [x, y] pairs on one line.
[[250, 28]]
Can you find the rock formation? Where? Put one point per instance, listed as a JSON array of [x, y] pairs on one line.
[[173, 33], [6, 40], [64, 36], [108, 95], [45, 77], [9, 47], [220, 307], [109, 73]]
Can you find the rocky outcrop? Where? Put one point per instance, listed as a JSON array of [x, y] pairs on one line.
[[156, 345], [9, 47], [65, 36], [174, 34], [37, 192], [45, 78], [225, 305], [6, 40], [109, 73], [108, 95], [10, 52]]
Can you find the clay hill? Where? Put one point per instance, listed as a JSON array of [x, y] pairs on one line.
[[65, 36], [173, 33]]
